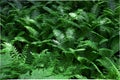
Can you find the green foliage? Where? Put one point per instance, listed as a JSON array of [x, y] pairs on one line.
[[59, 39]]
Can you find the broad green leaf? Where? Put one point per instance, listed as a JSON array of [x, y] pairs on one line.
[[28, 20], [82, 59], [70, 34], [59, 35], [90, 44], [108, 12], [82, 15], [22, 39], [106, 52], [32, 31], [70, 22], [73, 15], [103, 41], [105, 21], [94, 36]]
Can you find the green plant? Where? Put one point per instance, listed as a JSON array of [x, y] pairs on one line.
[[55, 39]]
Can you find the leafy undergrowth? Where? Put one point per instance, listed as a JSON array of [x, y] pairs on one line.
[[59, 40]]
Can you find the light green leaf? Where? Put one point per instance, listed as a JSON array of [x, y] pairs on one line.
[[7, 48], [81, 59], [82, 15], [22, 39], [32, 31], [90, 44], [59, 35], [73, 15], [70, 33]]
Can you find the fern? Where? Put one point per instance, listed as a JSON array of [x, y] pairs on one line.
[[55, 39], [112, 69]]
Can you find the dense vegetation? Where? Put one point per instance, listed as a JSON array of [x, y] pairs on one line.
[[59, 39]]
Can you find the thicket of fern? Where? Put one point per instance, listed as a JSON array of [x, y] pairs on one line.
[[59, 39]]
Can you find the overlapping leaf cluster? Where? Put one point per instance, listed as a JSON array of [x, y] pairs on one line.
[[57, 39]]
